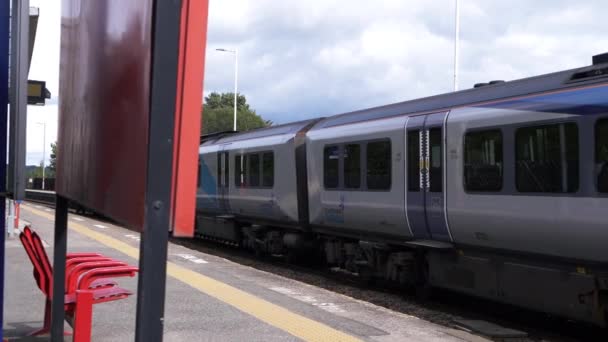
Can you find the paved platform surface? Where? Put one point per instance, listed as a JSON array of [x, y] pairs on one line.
[[208, 298]]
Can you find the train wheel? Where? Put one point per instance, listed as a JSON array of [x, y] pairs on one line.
[[423, 286]]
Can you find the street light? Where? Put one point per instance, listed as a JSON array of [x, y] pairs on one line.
[[456, 38], [43, 150], [236, 75]]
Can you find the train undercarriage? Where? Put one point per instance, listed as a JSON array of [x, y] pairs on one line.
[[566, 289]]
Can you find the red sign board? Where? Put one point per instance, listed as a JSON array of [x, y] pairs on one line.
[[104, 108]]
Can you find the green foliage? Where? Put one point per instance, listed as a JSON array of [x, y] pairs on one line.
[[53, 157], [218, 113], [35, 171]]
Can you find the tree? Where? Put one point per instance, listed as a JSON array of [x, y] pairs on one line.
[[218, 114], [53, 157]]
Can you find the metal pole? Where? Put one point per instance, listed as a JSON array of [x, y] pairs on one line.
[[18, 101], [236, 76], [456, 41], [149, 322], [59, 251], [4, 46], [43, 153]]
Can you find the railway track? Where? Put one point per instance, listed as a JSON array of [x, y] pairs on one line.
[[444, 307], [48, 198], [40, 196]]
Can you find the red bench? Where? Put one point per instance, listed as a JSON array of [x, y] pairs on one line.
[[88, 281]]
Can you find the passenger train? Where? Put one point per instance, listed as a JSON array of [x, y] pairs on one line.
[[499, 191]]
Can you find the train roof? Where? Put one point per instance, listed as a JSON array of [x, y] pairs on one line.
[[596, 73], [231, 136]]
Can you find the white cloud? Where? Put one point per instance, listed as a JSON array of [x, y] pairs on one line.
[[321, 57], [44, 67], [324, 57]]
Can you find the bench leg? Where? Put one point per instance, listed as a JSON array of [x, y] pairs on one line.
[[46, 326], [83, 316]]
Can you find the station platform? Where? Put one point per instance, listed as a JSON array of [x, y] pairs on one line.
[[207, 299]]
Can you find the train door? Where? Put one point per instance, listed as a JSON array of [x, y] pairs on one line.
[[425, 188], [223, 181]]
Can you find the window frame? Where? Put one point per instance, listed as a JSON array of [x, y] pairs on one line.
[[238, 183], [536, 124], [246, 172], [323, 169], [390, 165], [225, 156], [430, 180], [503, 166], [198, 173], [362, 162], [409, 179]]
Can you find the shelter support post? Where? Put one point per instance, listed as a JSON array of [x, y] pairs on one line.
[[59, 252], [4, 46], [153, 245]]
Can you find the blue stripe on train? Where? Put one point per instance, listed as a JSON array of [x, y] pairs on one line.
[[209, 185], [586, 101]]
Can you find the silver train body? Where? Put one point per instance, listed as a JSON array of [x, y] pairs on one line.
[[498, 191]]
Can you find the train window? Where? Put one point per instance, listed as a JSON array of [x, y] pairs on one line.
[[222, 169], [436, 160], [601, 154], [219, 170], [413, 160], [254, 170], [198, 175], [331, 162], [226, 170], [483, 161], [244, 171], [352, 166], [268, 169], [238, 170], [379, 165], [547, 158]]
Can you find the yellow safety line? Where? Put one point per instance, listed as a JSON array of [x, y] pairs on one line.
[[297, 325]]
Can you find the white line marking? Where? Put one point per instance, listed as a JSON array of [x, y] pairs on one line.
[[37, 206], [192, 258], [133, 237], [47, 209], [100, 226], [331, 307], [78, 219]]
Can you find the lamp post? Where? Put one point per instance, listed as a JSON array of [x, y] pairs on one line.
[[456, 38], [43, 150], [236, 75]]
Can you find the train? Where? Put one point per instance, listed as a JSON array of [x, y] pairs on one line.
[[499, 191]]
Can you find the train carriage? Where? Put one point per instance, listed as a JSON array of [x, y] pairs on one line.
[[252, 177], [498, 191]]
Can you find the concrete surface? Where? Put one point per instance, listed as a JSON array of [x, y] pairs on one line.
[[208, 298]]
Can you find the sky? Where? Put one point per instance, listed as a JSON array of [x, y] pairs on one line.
[[316, 58]]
